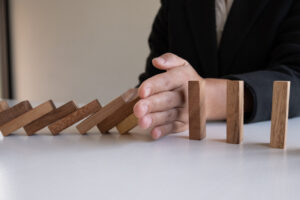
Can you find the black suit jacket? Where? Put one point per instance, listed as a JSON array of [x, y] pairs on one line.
[[260, 44]]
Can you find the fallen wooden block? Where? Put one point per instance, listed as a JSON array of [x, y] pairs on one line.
[[74, 117], [120, 114], [127, 124], [26, 118], [105, 112], [280, 113], [3, 106], [15, 111], [197, 112], [235, 111], [50, 118]]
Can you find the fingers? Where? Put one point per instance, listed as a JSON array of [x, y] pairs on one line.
[[166, 129], [158, 118], [158, 103], [166, 81], [168, 61]]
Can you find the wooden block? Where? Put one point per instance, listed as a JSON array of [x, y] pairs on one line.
[[50, 118], [3, 106], [120, 114], [235, 111], [15, 111], [27, 118], [197, 112], [127, 124], [105, 112], [74, 117], [280, 113]]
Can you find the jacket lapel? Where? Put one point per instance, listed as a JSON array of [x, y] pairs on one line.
[[202, 21], [241, 17]]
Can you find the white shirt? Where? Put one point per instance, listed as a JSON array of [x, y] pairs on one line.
[[222, 10]]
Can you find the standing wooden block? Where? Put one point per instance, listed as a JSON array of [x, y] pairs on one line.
[[127, 124], [235, 111], [51, 117], [27, 118], [105, 112], [15, 111], [3, 106], [120, 114], [74, 117], [197, 111], [280, 113]]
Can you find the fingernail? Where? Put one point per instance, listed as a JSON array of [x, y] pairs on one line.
[[147, 92], [157, 134], [148, 122], [145, 122], [144, 109], [160, 60]]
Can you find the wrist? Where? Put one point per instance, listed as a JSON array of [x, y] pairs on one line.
[[215, 98]]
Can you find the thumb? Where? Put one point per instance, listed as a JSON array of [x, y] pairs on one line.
[[168, 61]]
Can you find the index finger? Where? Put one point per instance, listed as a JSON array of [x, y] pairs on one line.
[[166, 81]]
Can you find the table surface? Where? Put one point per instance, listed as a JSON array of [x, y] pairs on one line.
[[95, 166]]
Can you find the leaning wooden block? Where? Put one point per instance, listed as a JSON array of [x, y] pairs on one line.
[[3, 106], [197, 111], [235, 111], [130, 99], [74, 117], [105, 112], [50, 118], [280, 113], [15, 111], [27, 118], [127, 124]]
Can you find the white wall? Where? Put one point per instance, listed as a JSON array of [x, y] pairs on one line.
[[79, 49]]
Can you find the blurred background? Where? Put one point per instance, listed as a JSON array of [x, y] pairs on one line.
[[73, 49]]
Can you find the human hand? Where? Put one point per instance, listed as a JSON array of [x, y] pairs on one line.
[[164, 102]]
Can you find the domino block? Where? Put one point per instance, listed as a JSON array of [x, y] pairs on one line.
[[50, 118], [129, 100], [26, 118], [280, 112], [235, 111], [74, 117], [3, 106], [105, 112], [197, 111], [15, 111], [127, 124]]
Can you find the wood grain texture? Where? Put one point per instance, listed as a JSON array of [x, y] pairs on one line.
[[280, 113], [27, 118], [3, 106], [120, 114], [127, 124], [50, 118], [15, 111], [105, 112], [74, 117], [235, 111], [197, 111]]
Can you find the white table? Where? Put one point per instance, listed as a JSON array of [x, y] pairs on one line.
[[71, 166]]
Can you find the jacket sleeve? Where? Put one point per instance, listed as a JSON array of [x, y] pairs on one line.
[[284, 65], [158, 42]]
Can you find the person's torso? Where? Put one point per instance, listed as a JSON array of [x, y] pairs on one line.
[[249, 35]]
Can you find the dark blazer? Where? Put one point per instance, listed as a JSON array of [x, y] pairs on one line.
[[260, 44]]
